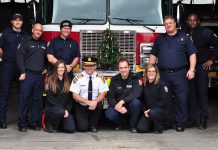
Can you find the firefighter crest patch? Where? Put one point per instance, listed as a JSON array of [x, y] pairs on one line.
[[166, 88]]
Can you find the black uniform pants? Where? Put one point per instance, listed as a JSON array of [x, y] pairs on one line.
[[198, 100], [155, 120], [85, 118], [178, 84], [9, 74], [54, 116]]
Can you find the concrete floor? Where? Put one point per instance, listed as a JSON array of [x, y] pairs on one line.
[[106, 138]]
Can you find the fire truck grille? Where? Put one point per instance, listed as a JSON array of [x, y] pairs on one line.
[[91, 41]]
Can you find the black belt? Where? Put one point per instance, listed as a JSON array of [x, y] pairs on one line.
[[167, 70], [34, 72]]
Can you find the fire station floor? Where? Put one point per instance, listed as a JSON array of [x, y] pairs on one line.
[[107, 138]]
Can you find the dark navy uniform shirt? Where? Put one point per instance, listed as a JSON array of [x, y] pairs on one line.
[[126, 90], [31, 55], [173, 51], [155, 95], [65, 50], [9, 41], [59, 99], [203, 38]]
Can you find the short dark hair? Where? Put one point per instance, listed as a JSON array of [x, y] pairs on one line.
[[195, 15], [122, 60], [169, 17]]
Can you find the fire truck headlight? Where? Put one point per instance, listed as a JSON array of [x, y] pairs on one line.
[[145, 49]]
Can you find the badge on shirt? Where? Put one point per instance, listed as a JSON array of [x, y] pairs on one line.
[[165, 88]]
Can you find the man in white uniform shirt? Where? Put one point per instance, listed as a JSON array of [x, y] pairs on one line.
[[89, 89]]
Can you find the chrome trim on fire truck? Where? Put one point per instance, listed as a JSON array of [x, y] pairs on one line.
[[90, 43]]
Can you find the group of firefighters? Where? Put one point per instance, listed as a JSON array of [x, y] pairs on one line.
[[174, 92]]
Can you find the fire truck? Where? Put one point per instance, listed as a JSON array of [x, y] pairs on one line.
[[135, 24]]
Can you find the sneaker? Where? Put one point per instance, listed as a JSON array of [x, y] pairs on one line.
[[93, 129], [50, 129], [180, 129], [117, 128], [158, 131], [22, 129], [37, 128], [133, 130], [3, 125], [203, 125]]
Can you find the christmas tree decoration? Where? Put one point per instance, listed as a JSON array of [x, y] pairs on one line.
[[109, 51]]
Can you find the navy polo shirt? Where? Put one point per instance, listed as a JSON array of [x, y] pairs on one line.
[[203, 38], [9, 41], [65, 50], [173, 51]]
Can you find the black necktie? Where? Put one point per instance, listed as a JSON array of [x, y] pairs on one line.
[[90, 89]]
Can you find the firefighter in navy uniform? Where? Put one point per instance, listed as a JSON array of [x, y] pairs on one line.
[[64, 48], [202, 38], [9, 40], [89, 89], [171, 50], [123, 97], [30, 58]]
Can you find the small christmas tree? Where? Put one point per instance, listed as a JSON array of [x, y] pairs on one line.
[[109, 51]]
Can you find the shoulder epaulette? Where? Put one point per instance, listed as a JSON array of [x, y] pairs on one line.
[[75, 79], [101, 77]]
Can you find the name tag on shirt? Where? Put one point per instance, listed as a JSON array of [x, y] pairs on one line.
[[128, 86]]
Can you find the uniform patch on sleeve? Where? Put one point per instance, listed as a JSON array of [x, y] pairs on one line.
[[101, 77], [215, 35], [140, 82], [0, 35], [48, 44], [76, 78], [18, 47], [166, 88]]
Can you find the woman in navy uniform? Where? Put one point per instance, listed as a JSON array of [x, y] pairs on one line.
[[9, 40], [89, 89], [58, 101], [154, 100], [171, 49]]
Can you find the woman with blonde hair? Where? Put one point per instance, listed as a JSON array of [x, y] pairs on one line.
[[59, 102], [154, 100]]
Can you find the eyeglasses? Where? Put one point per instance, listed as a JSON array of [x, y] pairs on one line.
[[153, 71]]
